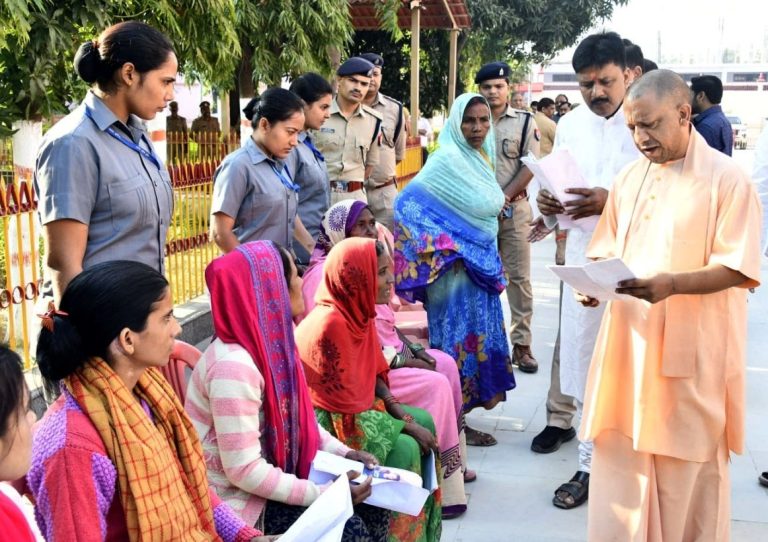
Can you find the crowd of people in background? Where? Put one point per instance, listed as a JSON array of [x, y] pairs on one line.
[[364, 319]]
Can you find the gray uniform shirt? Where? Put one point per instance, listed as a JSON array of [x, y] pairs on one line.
[[315, 196], [82, 173], [247, 188]]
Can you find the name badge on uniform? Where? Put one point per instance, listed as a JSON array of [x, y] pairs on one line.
[[327, 130]]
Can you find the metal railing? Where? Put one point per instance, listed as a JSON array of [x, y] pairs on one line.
[[188, 248]]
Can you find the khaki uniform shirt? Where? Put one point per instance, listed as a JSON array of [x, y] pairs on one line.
[[391, 148], [349, 145], [547, 129], [176, 125], [509, 131], [210, 124]]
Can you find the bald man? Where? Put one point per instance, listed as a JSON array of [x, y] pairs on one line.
[[665, 392]]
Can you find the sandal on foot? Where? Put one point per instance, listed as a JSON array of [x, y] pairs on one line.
[[763, 479], [577, 489], [454, 511], [478, 438], [469, 476]]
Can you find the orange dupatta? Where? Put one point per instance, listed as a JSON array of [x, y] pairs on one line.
[[160, 467]]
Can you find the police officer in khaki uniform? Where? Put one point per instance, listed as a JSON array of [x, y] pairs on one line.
[[516, 136], [349, 139], [380, 185]]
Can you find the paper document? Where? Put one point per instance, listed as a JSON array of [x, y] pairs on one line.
[[324, 520], [596, 279], [556, 172], [394, 489]]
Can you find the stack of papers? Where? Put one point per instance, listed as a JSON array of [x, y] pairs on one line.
[[556, 172], [596, 279], [394, 489]]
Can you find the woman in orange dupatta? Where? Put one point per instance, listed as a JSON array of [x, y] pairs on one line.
[[347, 374], [116, 457]]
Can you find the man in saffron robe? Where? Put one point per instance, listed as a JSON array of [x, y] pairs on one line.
[[665, 392]]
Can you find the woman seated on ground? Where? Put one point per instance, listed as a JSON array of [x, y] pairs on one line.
[[16, 419], [249, 402], [427, 379], [348, 375], [446, 255], [116, 457]]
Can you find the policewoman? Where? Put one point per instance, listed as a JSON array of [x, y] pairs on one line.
[[311, 171], [103, 192], [255, 196]]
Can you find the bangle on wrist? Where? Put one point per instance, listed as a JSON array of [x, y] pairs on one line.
[[416, 347], [407, 418], [390, 400]]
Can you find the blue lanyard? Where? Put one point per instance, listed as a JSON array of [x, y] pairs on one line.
[[315, 151], [288, 183], [127, 142]]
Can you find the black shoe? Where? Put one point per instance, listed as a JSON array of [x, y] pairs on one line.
[[550, 439]]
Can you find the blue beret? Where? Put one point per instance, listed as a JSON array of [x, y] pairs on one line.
[[374, 59], [493, 70], [355, 66]]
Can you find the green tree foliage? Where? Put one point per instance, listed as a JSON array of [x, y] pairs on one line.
[[39, 38], [289, 37], [518, 31], [532, 30], [396, 80]]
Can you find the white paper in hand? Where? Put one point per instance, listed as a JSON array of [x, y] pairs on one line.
[[557, 172], [396, 489], [596, 279], [324, 520]]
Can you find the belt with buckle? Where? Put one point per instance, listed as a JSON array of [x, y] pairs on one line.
[[390, 182], [346, 186], [521, 195]]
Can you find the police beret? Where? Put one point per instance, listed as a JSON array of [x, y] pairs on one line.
[[374, 59], [493, 70], [355, 66]]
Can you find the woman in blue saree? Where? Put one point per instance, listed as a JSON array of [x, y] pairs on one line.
[[446, 223]]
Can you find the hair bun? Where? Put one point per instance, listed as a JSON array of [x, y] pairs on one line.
[[87, 61], [251, 109]]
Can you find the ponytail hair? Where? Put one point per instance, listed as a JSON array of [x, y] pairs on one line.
[[275, 105], [96, 61], [310, 87], [98, 304]]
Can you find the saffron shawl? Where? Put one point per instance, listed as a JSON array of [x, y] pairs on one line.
[[337, 341], [449, 213], [251, 307]]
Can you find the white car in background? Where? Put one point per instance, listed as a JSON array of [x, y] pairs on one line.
[[739, 132]]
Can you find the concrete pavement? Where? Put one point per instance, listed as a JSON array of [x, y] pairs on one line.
[[512, 497]]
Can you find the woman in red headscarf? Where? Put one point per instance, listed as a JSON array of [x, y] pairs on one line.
[[347, 373], [249, 402]]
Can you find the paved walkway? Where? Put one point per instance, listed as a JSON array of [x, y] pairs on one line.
[[512, 497]]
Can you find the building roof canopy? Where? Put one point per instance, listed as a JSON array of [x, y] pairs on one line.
[[434, 14]]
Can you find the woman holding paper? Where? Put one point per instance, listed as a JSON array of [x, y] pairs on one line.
[[347, 374], [446, 223], [249, 402]]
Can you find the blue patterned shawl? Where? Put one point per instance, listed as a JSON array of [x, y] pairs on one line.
[[449, 212]]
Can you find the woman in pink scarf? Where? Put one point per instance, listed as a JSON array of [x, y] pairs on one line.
[[423, 378]]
